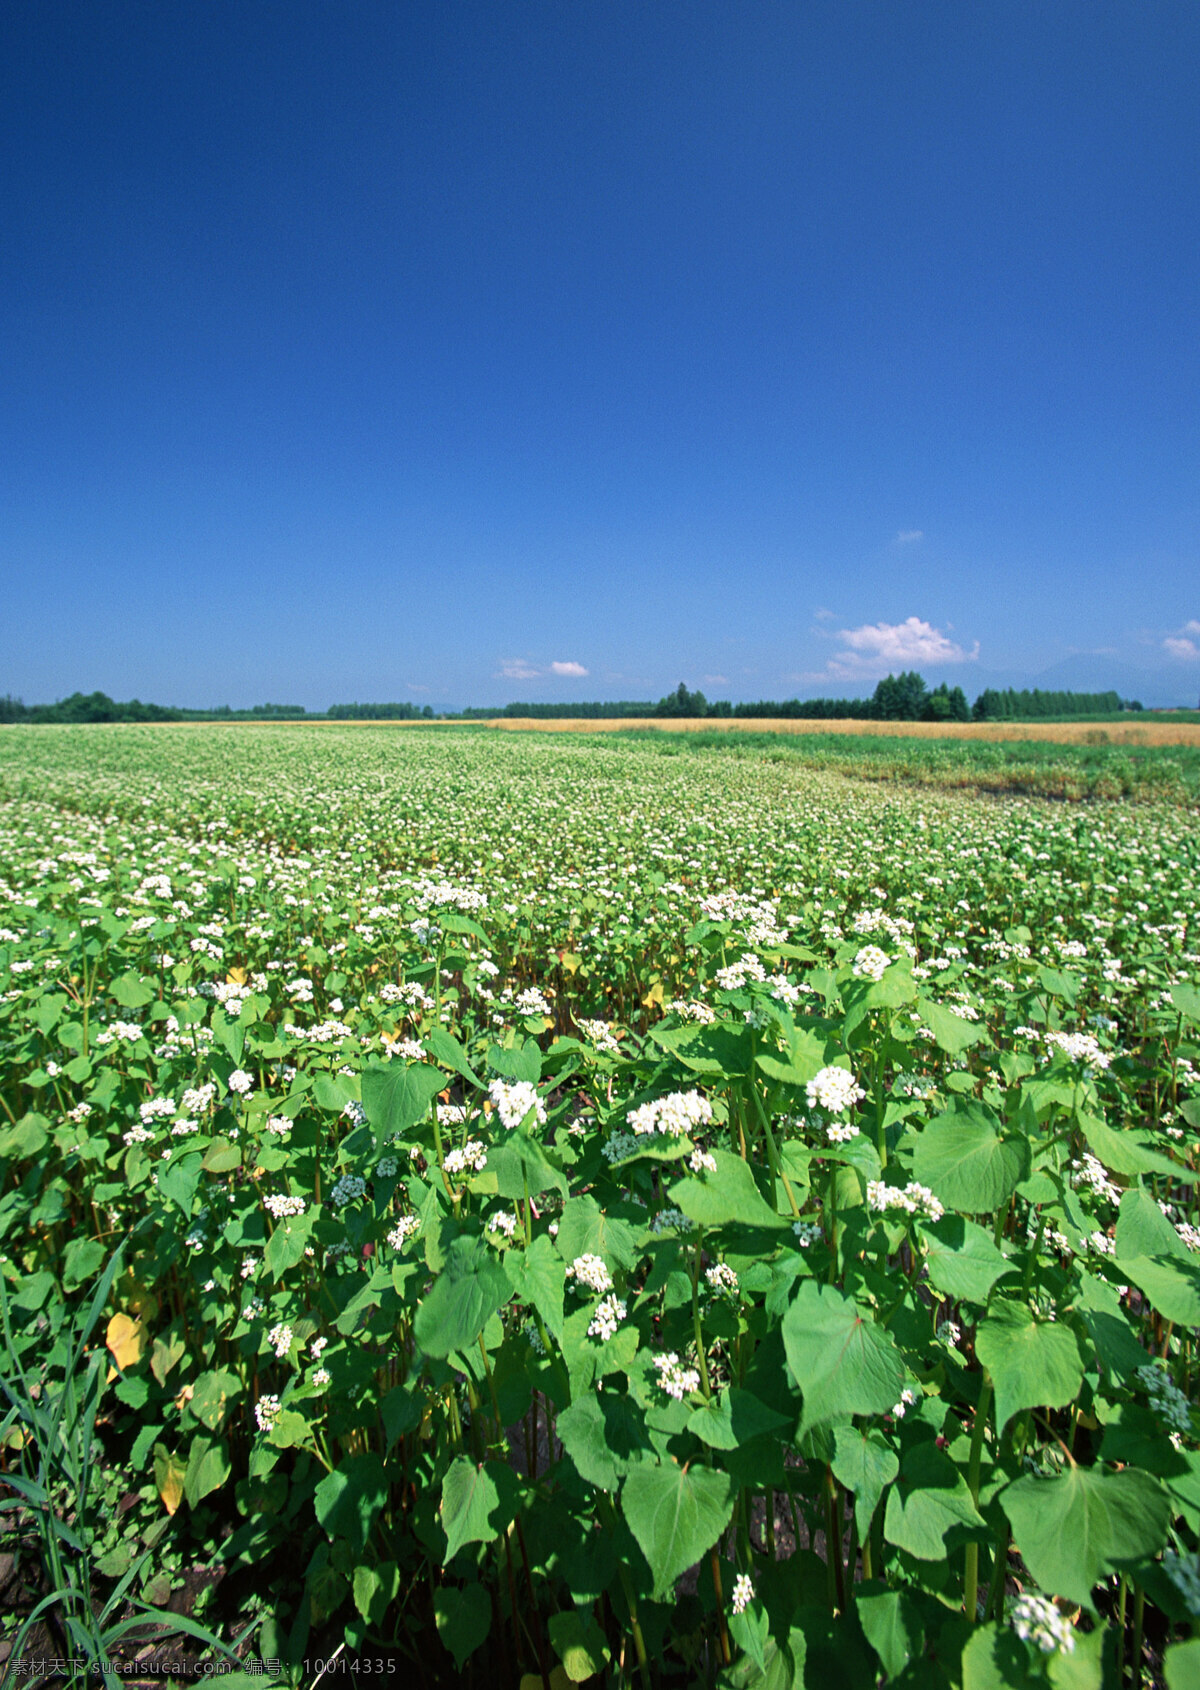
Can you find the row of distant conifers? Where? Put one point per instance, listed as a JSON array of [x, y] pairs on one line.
[[898, 698]]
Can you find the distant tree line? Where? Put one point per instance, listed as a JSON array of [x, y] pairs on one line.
[[1010, 705], [99, 707], [380, 712], [898, 698]]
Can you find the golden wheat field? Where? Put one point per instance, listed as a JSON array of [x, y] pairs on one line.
[[1056, 733]]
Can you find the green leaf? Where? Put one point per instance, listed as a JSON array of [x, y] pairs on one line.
[[891, 1625], [348, 1500], [961, 1259], [212, 1394], [866, 1464], [1033, 1364], [465, 1296], [477, 1502], [520, 1165], [841, 1361], [585, 1230], [177, 1181], [81, 1259], [1187, 1001], [1181, 1665], [287, 1244], [733, 1418], [1172, 1286], [396, 1096], [375, 1589], [333, 1092], [538, 1276], [951, 1032], [963, 1160], [727, 1198], [446, 1050], [583, 1434], [929, 1499], [463, 1618], [676, 1515], [130, 992], [996, 1659], [1126, 1153], [522, 1063], [1075, 1529], [207, 1469], [1143, 1229], [579, 1644], [1108, 1325]]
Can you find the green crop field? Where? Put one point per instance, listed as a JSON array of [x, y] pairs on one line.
[[526, 1209]]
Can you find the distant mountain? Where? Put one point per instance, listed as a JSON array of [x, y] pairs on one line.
[[1157, 686]]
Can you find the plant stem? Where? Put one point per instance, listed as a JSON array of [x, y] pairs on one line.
[[971, 1579]]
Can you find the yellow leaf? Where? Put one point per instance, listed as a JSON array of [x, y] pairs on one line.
[[236, 977], [654, 995], [571, 962], [138, 1298], [169, 1474], [125, 1338]]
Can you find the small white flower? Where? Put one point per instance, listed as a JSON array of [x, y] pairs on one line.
[[241, 1082], [589, 1271], [1036, 1619], [675, 1379], [266, 1412], [608, 1316], [834, 1089], [743, 1593], [280, 1339]]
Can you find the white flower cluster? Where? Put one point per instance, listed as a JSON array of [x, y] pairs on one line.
[[241, 1082], [471, 1157], [1091, 1172], [589, 1271], [266, 1412], [682, 1112], [451, 1114], [722, 1280], [1079, 1047], [913, 1198], [907, 1398], [1167, 1400], [1035, 1619], [403, 1230], [703, 1014], [608, 1316], [127, 1032], [871, 963], [841, 1132], [601, 1035], [514, 1099], [807, 1232], [533, 1002], [834, 1089], [733, 978], [347, 1190], [743, 1593], [702, 1162], [670, 1220], [503, 1221], [280, 1339], [676, 1380], [440, 894], [279, 1205]]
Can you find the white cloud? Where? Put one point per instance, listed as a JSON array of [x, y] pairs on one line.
[[906, 536], [716, 680], [1184, 644], [879, 647], [516, 669], [567, 669]]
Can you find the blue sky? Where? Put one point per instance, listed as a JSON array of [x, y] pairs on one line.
[[446, 350]]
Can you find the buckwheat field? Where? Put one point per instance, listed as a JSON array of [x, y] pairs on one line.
[[528, 1210]]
